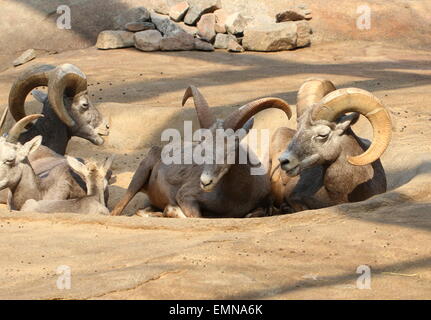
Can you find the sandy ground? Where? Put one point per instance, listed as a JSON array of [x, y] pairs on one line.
[[313, 254]]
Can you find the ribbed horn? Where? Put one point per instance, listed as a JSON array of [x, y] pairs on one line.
[[205, 116], [312, 91], [31, 78], [19, 127], [341, 101], [238, 118], [68, 80]]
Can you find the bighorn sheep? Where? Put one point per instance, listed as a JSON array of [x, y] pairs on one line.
[[67, 108], [325, 161], [209, 189], [96, 178], [18, 175], [67, 111]]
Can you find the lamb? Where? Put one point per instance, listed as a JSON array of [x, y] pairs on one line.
[[208, 189], [18, 176], [325, 162], [96, 178]]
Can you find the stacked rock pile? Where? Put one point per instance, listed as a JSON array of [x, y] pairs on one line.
[[203, 25]]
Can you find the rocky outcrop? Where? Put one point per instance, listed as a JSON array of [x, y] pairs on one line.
[[115, 39], [149, 40]]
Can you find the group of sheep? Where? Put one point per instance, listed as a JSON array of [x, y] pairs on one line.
[[322, 163]]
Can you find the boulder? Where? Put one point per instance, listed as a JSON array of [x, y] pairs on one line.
[[222, 40], [178, 11], [27, 56], [139, 26], [234, 46], [148, 40], [164, 6], [221, 17], [260, 19], [294, 14], [271, 37], [203, 45], [236, 23], [139, 14], [198, 8], [189, 29], [164, 24], [206, 27], [303, 31], [177, 41], [114, 39]]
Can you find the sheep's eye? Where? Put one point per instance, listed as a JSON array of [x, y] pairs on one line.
[[84, 106], [322, 136]]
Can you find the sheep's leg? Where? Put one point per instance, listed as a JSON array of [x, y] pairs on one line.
[[140, 178], [173, 212], [302, 203], [260, 212], [190, 207], [149, 212]]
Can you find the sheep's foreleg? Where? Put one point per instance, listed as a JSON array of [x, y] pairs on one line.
[[140, 178]]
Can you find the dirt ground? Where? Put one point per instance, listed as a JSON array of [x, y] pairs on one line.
[[312, 254]]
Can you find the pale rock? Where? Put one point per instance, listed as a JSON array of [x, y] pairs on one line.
[[189, 29], [234, 46], [222, 40], [148, 40], [294, 14], [203, 45], [178, 11], [139, 14], [114, 39], [221, 17], [271, 37], [27, 56], [200, 7], [206, 27], [177, 41], [303, 33], [139, 26], [236, 23], [164, 24], [164, 6]]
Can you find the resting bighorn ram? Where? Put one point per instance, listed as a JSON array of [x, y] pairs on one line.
[[18, 175], [209, 189], [325, 161], [67, 108], [96, 178], [67, 111]]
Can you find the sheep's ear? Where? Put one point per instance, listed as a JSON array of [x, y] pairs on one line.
[[39, 96], [28, 148], [345, 122], [108, 163], [241, 133], [248, 125], [76, 165]]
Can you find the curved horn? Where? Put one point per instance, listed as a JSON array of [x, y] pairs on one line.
[[205, 116], [312, 91], [238, 118], [332, 106], [19, 127], [68, 80], [31, 78]]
